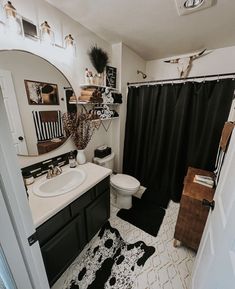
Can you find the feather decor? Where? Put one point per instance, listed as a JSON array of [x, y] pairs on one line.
[[99, 58], [80, 126]]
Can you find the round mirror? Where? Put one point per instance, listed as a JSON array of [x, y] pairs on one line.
[[35, 94]]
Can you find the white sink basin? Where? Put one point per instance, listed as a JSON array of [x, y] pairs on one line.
[[69, 180]]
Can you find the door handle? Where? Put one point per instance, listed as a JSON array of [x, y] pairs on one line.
[[208, 204], [20, 138]]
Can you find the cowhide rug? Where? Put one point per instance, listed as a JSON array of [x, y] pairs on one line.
[[108, 262]]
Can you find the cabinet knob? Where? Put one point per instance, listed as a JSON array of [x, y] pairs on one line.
[[208, 204], [20, 138]]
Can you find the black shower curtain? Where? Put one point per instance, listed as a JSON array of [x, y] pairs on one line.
[[170, 127]]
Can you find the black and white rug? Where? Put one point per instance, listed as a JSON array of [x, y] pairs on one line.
[[108, 262]]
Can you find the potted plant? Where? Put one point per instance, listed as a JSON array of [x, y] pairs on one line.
[[80, 126], [99, 59]]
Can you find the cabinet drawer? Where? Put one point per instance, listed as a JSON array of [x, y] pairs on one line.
[[62, 249], [102, 186], [53, 225], [82, 202]]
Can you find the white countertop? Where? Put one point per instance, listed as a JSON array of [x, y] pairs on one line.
[[44, 208]]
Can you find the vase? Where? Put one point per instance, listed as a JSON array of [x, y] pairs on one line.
[[81, 158], [100, 79]]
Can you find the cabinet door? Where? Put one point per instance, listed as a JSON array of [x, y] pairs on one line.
[[97, 213], [63, 248]]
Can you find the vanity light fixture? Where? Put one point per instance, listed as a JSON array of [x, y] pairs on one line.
[[46, 33], [191, 4], [69, 44], [13, 20]]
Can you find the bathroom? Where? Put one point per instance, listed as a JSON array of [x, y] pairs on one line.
[[218, 59]]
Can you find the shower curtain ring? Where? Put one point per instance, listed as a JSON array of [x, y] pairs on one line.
[[218, 78]]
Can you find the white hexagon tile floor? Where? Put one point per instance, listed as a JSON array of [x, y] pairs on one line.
[[168, 267]]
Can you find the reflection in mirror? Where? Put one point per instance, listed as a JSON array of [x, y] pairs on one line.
[[35, 99]]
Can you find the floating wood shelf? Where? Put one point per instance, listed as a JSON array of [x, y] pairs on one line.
[[98, 86]]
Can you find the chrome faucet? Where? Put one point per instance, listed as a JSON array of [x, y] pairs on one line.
[[53, 171]]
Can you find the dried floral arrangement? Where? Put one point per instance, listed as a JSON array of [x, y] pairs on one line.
[[80, 126], [99, 58]]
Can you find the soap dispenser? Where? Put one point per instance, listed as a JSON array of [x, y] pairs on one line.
[[72, 160]]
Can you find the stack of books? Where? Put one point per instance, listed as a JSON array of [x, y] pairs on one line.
[[204, 180]]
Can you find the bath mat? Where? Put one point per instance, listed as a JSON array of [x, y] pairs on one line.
[[144, 215], [108, 262]]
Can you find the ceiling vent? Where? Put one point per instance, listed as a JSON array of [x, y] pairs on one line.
[[185, 7]]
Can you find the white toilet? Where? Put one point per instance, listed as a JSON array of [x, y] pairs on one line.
[[123, 186]]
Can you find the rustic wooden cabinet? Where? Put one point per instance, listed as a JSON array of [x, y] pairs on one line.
[[63, 236], [192, 214]]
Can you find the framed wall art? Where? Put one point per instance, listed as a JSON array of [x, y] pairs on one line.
[[41, 93], [111, 76]]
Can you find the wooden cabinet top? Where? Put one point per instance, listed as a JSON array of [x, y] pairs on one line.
[[194, 190]]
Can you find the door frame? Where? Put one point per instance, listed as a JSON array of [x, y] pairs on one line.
[[18, 210]]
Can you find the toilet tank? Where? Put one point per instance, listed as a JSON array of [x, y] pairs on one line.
[[107, 162]]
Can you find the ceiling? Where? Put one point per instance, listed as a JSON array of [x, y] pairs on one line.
[[153, 28]]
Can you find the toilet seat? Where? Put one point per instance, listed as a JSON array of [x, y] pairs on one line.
[[124, 182]]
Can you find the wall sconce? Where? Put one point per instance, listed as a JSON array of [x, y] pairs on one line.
[[46, 34], [13, 20], [69, 44]]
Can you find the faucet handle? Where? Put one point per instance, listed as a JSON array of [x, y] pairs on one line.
[[49, 172], [57, 170]]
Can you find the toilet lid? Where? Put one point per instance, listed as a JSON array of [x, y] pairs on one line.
[[124, 182]]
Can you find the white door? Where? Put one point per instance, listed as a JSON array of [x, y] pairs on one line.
[[13, 193], [13, 272], [13, 113], [215, 262]]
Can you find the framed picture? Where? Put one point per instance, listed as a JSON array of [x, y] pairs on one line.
[[41, 93], [29, 28], [111, 76]]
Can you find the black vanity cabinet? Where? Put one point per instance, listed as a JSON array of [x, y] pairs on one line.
[[99, 210], [63, 236]]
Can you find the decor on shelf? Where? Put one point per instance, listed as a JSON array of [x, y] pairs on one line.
[[41, 93], [111, 76], [88, 76], [99, 59], [46, 34], [80, 126]]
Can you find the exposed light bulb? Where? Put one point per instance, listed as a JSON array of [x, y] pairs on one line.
[[47, 35], [69, 44], [13, 21]]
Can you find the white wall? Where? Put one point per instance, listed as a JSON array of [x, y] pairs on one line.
[[72, 68], [217, 61], [128, 62]]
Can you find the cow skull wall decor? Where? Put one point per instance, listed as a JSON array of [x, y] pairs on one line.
[[184, 64]]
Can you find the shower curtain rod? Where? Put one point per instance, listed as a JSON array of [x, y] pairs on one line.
[[181, 79]]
